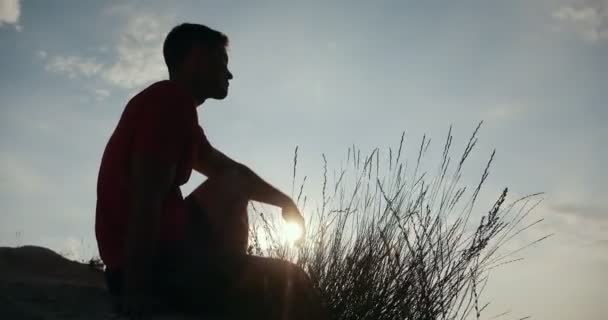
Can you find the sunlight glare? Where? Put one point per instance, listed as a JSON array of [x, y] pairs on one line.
[[292, 232]]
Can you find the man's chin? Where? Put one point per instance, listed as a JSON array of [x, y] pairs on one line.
[[221, 95]]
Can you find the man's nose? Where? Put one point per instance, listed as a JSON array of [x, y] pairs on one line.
[[230, 75]]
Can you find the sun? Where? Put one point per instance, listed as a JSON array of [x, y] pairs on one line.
[[292, 232]]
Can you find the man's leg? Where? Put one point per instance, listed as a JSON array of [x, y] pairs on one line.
[[219, 207], [278, 289], [194, 275], [216, 245]]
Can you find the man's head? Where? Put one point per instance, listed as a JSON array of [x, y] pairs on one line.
[[197, 54]]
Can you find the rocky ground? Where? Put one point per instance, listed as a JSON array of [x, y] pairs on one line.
[[39, 284]]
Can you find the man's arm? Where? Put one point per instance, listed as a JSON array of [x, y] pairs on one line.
[[212, 162]]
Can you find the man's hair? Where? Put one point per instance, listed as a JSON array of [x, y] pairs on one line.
[[184, 37]]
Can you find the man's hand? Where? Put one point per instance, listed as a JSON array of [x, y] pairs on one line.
[[291, 214]]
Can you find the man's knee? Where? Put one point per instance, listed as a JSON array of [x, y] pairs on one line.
[[282, 268], [299, 274], [228, 186]]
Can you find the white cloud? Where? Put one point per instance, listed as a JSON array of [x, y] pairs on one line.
[[101, 94], [137, 60], [42, 54], [10, 11], [588, 18], [581, 223], [73, 66], [139, 52]]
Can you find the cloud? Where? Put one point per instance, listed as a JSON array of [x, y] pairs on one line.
[[139, 52], [42, 54], [587, 211], [600, 244], [576, 211], [101, 94], [137, 58], [577, 224], [588, 18], [18, 176], [73, 66], [10, 10]]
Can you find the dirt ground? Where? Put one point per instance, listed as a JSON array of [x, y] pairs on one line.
[[38, 284]]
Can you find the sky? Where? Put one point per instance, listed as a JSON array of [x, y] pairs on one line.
[[324, 75]]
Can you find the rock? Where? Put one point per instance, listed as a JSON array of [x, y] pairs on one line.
[[31, 264], [38, 284]]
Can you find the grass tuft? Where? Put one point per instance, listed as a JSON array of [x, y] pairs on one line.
[[388, 241]]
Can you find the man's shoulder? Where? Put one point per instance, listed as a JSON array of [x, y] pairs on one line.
[[163, 95], [158, 90]]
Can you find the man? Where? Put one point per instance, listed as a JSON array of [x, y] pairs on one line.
[[162, 251]]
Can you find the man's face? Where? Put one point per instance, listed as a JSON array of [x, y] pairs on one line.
[[209, 71]]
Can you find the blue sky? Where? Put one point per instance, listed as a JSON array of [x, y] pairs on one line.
[[325, 75]]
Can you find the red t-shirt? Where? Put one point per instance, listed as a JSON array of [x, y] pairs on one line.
[[161, 122]]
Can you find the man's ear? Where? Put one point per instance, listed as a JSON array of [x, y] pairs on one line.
[[198, 56], [189, 61]]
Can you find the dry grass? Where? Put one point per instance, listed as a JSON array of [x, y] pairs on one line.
[[391, 242]]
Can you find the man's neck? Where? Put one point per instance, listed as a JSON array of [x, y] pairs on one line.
[[186, 85]]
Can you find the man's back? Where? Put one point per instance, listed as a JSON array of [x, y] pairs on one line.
[[161, 121]]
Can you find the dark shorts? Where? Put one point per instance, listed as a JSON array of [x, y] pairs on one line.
[[186, 282]]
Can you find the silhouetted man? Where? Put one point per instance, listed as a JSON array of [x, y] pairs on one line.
[[166, 252]]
